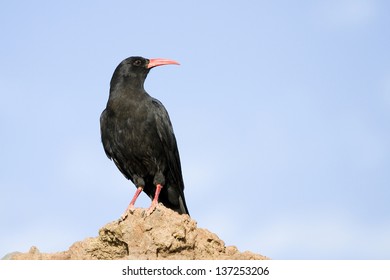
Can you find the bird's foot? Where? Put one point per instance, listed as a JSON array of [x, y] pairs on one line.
[[123, 216], [151, 209], [155, 200], [130, 209]]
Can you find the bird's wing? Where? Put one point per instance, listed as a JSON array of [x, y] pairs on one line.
[[167, 138]]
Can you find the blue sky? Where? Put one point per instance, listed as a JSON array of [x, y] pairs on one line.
[[281, 111]]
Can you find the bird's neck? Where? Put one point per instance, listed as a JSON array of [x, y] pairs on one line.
[[129, 87]]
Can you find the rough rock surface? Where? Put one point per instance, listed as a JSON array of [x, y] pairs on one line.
[[161, 236]]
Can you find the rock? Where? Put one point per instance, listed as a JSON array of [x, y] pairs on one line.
[[163, 235]]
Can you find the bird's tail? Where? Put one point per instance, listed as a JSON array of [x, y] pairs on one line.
[[182, 205]]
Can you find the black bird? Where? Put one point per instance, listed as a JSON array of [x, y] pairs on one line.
[[137, 135]]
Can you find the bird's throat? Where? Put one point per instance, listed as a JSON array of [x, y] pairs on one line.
[[129, 87]]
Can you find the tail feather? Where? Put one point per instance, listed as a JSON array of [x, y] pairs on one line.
[[183, 206]]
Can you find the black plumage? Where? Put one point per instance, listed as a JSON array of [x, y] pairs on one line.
[[137, 135]]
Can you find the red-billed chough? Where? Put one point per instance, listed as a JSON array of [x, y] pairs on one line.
[[137, 135]]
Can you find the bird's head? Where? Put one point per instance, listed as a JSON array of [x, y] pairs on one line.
[[133, 70]]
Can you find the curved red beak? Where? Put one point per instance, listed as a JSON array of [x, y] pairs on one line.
[[153, 62]]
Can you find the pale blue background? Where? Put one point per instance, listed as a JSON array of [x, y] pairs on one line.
[[281, 110]]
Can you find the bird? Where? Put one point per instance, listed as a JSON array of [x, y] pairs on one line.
[[137, 135]]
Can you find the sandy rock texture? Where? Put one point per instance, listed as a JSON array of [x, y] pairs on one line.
[[163, 235]]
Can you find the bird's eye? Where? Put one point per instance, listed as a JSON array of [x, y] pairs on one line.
[[137, 62]]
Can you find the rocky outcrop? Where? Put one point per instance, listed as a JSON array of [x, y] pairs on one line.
[[163, 235]]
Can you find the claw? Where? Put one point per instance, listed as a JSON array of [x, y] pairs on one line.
[[130, 209], [151, 209]]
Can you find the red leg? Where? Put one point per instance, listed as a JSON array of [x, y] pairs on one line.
[[155, 200], [131, 207]]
